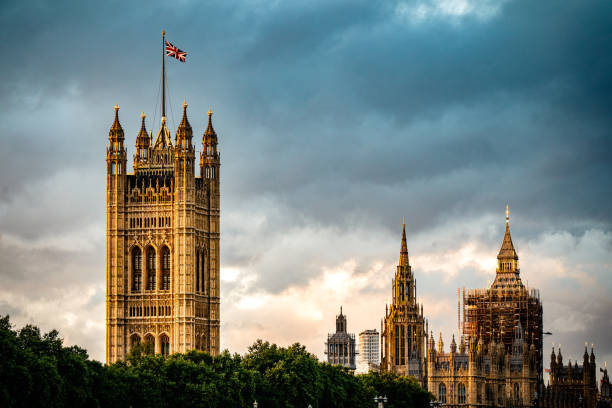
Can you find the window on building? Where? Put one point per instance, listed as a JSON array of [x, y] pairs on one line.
[[164, 343], [134, 340], [442, 393], [197, 272], [149, 344], [165, 268], [517, 389], [460, 393], [136, 269], [151, 268]]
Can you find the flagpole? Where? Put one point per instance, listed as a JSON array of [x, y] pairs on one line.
[[163, 74]]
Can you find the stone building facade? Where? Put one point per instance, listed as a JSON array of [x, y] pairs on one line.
[[340, 346], [162, 242], [483, 374], [571, 385], [403, 329]]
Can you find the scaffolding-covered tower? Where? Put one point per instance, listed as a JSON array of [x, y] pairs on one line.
[[494, 313]]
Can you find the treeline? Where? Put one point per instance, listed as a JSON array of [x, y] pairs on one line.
[[36, 370]]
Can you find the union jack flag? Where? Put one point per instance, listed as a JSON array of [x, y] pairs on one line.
[[172, 51]]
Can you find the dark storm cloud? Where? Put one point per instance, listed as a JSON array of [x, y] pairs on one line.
[[331, 115]]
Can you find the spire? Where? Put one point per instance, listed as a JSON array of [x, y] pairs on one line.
[[184, 132], [507, 249], [210, 131], [404, 249], [143, 136], [142, 143], [116, 129], [185, 122]]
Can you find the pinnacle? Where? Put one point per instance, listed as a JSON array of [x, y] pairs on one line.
[[185, 122], [404, 248], [507, 250]]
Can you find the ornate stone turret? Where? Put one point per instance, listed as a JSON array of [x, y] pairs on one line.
[[116, 156], [209, 159], [184, 133], [143, 142]]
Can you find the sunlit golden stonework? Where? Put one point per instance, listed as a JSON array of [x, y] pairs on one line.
[[403, 330], [162, 242], [499, 360]]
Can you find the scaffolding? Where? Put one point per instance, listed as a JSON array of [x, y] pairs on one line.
[[494, 313]]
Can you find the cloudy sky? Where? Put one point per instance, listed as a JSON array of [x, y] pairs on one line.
[[336, 119]]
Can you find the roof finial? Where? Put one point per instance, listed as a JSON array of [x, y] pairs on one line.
[[142, 115], [507, 214], [185, 104], [210, 112], [116, 107]]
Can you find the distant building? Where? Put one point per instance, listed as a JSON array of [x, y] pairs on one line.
[[340, 346], [403, 329], [571, 385], [605, 390], [369, 349]]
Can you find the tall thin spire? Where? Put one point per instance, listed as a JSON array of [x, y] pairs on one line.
[[404, 249]]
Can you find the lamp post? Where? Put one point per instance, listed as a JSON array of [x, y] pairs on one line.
[[381, 401]]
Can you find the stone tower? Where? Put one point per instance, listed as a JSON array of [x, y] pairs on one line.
[[340, 346], [494, 313], [162, 242], [403, 330]]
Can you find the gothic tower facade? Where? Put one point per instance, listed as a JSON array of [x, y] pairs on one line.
[[162, 242], [403, 330], [495, 312]]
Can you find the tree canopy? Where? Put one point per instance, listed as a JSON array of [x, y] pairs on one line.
[[37, 370]]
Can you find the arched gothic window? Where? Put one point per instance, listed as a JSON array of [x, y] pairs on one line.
[[136, 269], [150, 268], [149, 344], [165, 268], [134, 340], [442, 393], [164, 343], [461, 393]]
